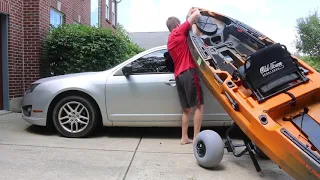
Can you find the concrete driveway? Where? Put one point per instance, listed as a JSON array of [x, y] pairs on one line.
[[30, 152]]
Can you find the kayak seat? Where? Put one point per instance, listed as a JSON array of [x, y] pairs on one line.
[[269, 71]]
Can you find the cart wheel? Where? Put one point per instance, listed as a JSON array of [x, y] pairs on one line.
[[208, 148]]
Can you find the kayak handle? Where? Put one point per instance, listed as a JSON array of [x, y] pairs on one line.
[[217, 78]]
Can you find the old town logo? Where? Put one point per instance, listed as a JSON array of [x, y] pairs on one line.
[[271, 68]]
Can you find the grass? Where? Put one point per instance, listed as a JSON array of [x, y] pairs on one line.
[[312, 61]]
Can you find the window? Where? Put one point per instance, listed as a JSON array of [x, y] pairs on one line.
[[113, 13], [56, 18], [107, 10], [151, 63], [95, 13]]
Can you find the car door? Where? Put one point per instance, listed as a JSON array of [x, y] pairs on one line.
[[148, 94], [212, 110]]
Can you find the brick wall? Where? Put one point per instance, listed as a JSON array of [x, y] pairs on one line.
[[28, 24], [44, 21], [15, 45], [31, 46], [73, 8], [104, 21]]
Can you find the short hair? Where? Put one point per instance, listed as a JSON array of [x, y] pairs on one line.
[[172, 22]]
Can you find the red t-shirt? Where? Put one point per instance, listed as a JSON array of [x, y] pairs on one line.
[[179, 50]]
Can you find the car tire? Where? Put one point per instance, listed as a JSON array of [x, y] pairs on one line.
[[208, 149], [75, 119]]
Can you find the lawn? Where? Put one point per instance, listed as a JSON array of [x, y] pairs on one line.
[[314, 62]]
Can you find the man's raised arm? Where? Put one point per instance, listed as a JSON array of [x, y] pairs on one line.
[[192, 18], [193, 15]]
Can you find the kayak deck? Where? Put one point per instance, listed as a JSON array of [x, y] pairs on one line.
[[268, 92]]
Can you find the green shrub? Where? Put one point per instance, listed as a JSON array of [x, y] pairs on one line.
[[308, 34], [312, 61], [73, 48], [133, 48]]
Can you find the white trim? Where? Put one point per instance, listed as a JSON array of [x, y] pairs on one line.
[[107, 9], [59, 5], [56, 12]]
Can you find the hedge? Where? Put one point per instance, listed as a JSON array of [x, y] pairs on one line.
[[312, 61], [74, 48]]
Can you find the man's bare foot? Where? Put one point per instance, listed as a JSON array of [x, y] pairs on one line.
[[185, 141]]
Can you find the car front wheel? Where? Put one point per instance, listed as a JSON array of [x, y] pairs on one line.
[[74, 117]]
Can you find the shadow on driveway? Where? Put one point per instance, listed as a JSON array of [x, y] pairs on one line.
[[127, 132]]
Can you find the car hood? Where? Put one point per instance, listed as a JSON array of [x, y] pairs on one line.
[[84, 75]]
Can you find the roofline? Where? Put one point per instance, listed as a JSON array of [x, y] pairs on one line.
[[157, 47], [148, 31]]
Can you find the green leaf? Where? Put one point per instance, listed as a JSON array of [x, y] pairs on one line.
[[308, 39], [73, 48]]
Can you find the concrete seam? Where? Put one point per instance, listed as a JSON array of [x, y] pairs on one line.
[[91, 149], [56, 147], [177, 153], [5, 113], [134, 154]]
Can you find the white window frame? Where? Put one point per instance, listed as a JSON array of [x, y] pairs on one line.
[[113, 13], [108, 9], [57, 13], [98, 23]]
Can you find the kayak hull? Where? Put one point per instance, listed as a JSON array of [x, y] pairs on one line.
[[265, 120]]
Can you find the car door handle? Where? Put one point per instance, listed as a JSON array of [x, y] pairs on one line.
[[171, 82]]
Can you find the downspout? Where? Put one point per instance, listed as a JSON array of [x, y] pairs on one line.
[[23, 41], [99, 13], [116, 5]]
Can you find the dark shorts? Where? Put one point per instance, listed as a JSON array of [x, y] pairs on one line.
[[189, 88]]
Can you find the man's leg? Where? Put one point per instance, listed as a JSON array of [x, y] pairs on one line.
[[185, 124], [186, 110], [197, 119], [195, 99]]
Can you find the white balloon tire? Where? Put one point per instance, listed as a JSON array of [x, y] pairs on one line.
[[214, 149]]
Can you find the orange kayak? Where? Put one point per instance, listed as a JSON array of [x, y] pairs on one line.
[[272, 96]]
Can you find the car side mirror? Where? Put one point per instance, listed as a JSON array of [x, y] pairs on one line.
[[127, 70]]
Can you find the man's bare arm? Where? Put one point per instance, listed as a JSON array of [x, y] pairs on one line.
[[192, 18], [194, 14]]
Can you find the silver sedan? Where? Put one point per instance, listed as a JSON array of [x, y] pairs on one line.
[[139, 92]]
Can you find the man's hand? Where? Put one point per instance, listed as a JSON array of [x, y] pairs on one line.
[[192, 10], [194, 15]]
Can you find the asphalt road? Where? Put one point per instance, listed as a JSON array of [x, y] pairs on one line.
[[31, 152]]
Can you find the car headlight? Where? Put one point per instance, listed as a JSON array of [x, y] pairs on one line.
[[31, 88]]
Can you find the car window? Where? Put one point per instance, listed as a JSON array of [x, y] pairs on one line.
[[151, 63]]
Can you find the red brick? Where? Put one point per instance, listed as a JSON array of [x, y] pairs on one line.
[[104, 21], [28, 24]]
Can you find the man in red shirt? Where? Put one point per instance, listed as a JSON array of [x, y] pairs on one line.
[[185, 72]]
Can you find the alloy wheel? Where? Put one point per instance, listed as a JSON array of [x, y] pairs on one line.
[[73, 117]]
